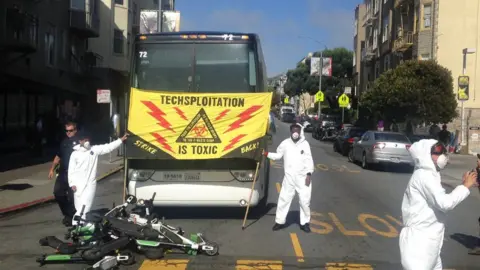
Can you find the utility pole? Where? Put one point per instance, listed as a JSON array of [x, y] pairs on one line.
[[320, 73]]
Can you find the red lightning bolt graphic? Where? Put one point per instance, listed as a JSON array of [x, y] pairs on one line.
[[162, 141], [222, 114], [181, 113], [233, 142], [244, 116], [159, 115]]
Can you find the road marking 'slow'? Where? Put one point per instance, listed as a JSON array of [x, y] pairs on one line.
[[164, 264], [258, 264], [343, 266]]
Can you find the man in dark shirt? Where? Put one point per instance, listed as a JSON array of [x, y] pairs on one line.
[[444, 136], [62, 192]]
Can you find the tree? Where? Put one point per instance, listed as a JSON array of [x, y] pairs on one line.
[[414, 91], [299, 79], [276, 98]]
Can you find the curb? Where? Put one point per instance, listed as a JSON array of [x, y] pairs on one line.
[[24, 206]]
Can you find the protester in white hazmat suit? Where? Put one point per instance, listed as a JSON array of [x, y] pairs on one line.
[[425, 204], [298, 166], [82, 171]]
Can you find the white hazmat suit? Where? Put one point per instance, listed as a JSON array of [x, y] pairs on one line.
[[82, 173], [298, 161], [424, 206]]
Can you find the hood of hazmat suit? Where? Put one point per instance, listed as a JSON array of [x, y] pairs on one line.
[[424, 205], [297, 162]]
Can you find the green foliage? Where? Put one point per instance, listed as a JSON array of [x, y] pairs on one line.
[[299, 79], [414, 90]]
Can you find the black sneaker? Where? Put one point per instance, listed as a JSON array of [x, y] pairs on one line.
[[67, 222], [305, 228], [277, 227]]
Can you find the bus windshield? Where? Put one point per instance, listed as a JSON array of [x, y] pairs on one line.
[[201, 67]]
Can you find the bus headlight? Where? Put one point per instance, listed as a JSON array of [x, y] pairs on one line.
[[243, 176], [141, 175]]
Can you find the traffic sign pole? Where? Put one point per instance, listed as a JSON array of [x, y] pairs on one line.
[[320, 73]]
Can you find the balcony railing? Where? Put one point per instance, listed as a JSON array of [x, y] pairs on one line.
[[21, 32], [399, 3], [367, 54], [85, 24], [402, 43]]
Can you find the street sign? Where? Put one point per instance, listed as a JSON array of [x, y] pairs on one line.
[[343, 101], [103, 96], [319, 96], [347, 90], [463, 88]]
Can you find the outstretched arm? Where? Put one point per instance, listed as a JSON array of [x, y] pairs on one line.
[[436, 195], [279, 154], [103, 149]]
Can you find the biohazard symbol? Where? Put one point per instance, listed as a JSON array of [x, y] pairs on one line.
[[199, 130]]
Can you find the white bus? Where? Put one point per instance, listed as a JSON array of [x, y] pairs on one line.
[[226, 63]]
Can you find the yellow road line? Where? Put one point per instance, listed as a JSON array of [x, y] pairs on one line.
[[164, 265], [343, 266], [279, 187], [258, 264], [297, 247]]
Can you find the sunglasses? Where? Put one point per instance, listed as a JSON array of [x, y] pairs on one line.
[[69, 130]]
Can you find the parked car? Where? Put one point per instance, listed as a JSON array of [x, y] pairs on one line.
[[345, 140], [417, 137], [381, 147], [288, 117], [326, 120]]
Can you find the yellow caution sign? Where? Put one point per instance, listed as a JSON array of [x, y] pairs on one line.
[[319, 96], [285, 100], [343, 101]]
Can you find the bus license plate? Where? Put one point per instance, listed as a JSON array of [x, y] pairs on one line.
[[172, 176], [192, 176]]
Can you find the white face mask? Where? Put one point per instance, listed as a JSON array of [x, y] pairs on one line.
[[86, 145], [442, 161], [295, 135]]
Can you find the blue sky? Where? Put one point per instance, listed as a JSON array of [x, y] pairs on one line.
[[279, 24]]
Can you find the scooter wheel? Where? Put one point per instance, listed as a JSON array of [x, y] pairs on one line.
[[154, 253], [214, 251], [130, 261]]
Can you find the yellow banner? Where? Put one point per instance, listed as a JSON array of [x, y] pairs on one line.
[[170, 125]]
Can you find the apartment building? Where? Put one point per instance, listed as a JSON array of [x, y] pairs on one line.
[[46, 67], [358, 45], [446, 31]]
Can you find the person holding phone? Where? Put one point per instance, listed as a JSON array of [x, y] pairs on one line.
[[298, 164], [425, 204]]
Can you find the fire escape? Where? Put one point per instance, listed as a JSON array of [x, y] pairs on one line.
[[404, 26], [20, 37]]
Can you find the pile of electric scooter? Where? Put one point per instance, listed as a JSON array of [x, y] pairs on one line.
[[108, 238]]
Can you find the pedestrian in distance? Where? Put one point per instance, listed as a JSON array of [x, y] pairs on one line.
[[82, 170], [425, 204], [62, 192], [298, 164]]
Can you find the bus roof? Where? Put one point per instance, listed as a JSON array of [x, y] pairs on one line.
[[200, 35]]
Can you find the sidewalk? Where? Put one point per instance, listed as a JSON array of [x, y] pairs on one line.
[[30, 186]]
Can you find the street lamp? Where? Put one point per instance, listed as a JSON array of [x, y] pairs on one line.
[[320, 71], [464, 71]]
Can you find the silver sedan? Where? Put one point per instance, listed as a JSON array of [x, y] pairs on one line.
[[381, 147]]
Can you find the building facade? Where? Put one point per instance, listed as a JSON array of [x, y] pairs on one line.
[[358, 45], [445, 31], [46, 66], [52, 66]]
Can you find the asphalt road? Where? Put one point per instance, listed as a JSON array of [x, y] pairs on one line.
[[355, 225]]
